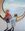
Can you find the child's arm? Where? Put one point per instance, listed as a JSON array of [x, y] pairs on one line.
[[1, 9], [20, 17], [1, 17]]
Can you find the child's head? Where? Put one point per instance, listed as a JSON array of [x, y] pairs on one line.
[[15, 15]]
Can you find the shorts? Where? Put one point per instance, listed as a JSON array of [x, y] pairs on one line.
[[7, 20]]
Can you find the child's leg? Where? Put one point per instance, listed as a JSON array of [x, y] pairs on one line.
[[12, 29]]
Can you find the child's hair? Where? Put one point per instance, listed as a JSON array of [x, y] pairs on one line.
[[15, 15]]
